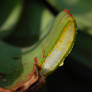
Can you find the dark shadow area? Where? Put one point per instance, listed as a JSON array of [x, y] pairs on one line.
[[82, 51], [3, 34], [68, 79], [52, 9]]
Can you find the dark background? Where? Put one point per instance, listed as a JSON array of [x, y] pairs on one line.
[[69, 78]]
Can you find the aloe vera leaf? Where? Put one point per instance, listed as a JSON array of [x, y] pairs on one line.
[[10, 12], [61, 49], [21, 60], [82, 53], [82, 14]]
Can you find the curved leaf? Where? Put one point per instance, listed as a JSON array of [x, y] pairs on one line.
[[63, 45]]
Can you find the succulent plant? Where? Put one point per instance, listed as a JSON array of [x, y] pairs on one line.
[[37, 44]]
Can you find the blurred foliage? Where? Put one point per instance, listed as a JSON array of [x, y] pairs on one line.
[[10, 11]]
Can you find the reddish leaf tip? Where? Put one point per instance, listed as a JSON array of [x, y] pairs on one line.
[[68, 12]]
